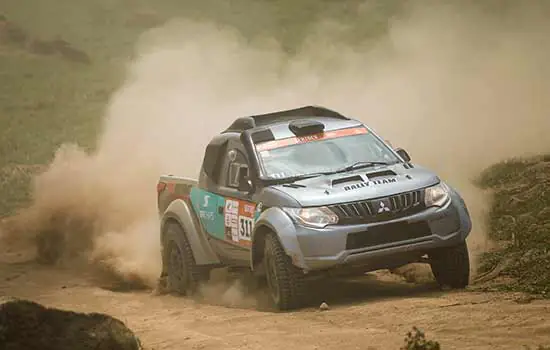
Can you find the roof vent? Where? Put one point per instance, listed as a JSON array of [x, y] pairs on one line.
[[306, 127]]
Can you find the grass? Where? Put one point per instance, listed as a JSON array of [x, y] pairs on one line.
[[520, 218], [46, 101]]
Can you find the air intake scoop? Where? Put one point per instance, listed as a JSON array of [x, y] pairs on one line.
[[382, 173], [346, 179], [306, 127]]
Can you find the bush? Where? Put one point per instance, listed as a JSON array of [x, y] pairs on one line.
[[416, 340], [520, 217]]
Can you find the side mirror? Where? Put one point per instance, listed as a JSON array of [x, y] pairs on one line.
[[245, 185], [403, 154]]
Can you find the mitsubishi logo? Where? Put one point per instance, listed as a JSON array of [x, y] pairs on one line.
[[383, 207]]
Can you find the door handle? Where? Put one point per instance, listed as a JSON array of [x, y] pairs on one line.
[[220, 210]]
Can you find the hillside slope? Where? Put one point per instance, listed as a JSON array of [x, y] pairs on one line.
[[519, 220]]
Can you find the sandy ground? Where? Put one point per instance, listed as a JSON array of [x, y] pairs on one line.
[[374, 312]]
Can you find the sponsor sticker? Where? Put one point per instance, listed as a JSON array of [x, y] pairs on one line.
[[269, 145], [370, 183], [206, 215], [239, 221]]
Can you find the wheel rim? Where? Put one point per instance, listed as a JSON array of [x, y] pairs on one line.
[[177, 275], [272, 282]]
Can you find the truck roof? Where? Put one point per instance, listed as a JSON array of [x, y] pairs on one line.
[[272, 126], [278, 121]]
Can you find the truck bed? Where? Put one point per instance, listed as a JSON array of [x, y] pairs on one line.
[[172, 187]]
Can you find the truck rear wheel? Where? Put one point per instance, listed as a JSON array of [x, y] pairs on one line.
[[451, 266], [285, 281], [182, 273]]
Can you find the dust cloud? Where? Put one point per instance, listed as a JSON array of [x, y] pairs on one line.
[[458, 88]]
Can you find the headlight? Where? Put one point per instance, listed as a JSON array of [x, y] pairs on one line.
[[315, 217], [437, 195]]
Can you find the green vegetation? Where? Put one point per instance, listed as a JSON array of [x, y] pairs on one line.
[[47, 99], [520, 218], [416, 340]]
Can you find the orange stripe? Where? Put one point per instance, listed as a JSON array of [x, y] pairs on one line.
[[244, 243], [269, 145]]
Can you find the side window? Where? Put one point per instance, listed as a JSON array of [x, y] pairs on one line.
[[235, 163], [214, 155]]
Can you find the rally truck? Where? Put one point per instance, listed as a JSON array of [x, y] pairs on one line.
[[308, 193]]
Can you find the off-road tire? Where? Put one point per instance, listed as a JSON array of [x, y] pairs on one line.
[[182, 275], [451, 266], [285, 281]]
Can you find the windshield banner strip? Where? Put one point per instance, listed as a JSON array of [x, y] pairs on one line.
[[269, 145]]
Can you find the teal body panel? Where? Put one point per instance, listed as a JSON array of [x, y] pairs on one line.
[[225, 218], [205, 205]]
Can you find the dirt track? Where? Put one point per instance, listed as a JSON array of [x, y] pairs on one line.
[[374, 313]]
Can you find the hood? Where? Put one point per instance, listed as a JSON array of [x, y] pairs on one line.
[[359, 184]]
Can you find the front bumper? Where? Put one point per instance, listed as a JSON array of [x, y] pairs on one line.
[[384, 244]]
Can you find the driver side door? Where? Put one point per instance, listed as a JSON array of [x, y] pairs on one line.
[[236, 210]]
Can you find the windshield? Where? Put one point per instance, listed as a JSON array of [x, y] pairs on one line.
[[322, 153]]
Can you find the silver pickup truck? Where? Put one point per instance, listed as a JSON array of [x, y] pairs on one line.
[[308, 193]]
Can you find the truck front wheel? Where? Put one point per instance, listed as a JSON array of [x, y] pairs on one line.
[[451, 266], [285, 281]]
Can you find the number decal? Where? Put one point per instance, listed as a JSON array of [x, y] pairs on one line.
[[245, 228], [239, 217]]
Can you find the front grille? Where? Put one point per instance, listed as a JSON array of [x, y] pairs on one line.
[[388, 233], [368, 211]]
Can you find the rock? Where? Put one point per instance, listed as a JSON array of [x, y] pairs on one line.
[[324, 307], [28, 325]]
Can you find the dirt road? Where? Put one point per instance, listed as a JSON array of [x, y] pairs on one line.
[[372, 313]]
